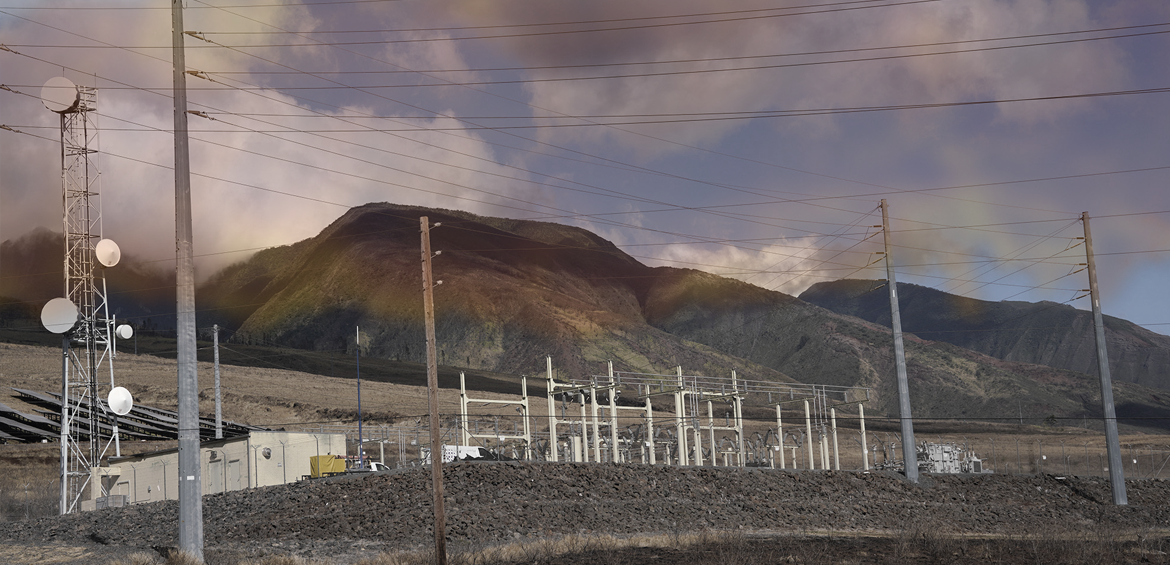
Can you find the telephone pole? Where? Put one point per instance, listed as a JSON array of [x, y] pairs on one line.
[[1112, 444], [433, 395], [909, 453]]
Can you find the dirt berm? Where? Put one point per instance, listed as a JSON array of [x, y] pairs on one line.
[[344, 518]]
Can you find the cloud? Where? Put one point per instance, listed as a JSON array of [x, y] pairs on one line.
[[249, 189], [1082, 67]]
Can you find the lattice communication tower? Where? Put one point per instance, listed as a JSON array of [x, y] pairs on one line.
[[87, 345]]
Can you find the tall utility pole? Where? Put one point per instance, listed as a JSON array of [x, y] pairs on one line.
[[433, 394], [909, 453], [1112, 444], [357, 345], [218, 397], [190, 482]]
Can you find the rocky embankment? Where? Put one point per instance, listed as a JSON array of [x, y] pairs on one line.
[[344, 518]]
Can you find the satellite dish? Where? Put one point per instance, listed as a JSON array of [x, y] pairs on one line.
[[59, 315], [120, 401], [107, 252], [60, 95], [124, 331]]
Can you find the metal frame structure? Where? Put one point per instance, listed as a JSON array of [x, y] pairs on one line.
[[684, 442], [465, 432], [88, 347], [594, 437]]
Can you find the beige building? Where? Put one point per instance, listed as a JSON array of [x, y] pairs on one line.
[[259, 459]]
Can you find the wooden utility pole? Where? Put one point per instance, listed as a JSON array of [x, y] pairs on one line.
[[909, 453], [1112, 443], [433, 395]]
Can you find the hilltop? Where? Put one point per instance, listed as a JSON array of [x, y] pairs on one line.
[[515, 291]]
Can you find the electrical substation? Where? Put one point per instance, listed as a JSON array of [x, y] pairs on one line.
[[639, 418]]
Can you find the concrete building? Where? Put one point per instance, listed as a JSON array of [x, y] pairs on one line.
[[262, 458]]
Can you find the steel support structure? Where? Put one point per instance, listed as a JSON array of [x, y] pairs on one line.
[[466, 435], [551, 387], [86, 350]]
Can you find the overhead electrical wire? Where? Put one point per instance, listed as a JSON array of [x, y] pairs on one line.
[[580, 31], [296, 3], [506, 133], [690, 60], [698, 241], [578, 215], [619, 129], [681, 117], [646, 74], [672, 142], [1019, 251], [564, 23]]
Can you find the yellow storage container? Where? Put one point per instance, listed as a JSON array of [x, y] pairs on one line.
[[326, 465]]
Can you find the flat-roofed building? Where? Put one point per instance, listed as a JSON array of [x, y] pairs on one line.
[[261, 458]]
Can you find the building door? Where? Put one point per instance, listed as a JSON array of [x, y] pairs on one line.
[[215, 476], [234, 477]]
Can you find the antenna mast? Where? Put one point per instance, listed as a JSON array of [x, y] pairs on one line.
[[86, 344]]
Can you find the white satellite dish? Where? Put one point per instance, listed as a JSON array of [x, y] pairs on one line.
[[59, 315], [60, 95], [107, 252], [124, 331], [120, 401]]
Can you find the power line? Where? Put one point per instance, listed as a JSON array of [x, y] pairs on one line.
[[693, 60], [666, 118], [579, 31]]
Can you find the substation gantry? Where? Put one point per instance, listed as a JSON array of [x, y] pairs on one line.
[[596, 433]]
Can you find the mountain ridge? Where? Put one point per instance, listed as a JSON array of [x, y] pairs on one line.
[[515, 291], [508, 300], [1045, 333]]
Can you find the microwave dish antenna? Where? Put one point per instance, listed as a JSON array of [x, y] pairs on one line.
[[107, 252], [59, 315], [120, 401], [60, 95]]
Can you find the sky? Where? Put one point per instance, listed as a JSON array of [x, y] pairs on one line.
[[751, 139]]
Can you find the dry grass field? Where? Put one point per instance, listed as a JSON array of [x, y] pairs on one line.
[[259, 396], [283, 398], [275, 397]]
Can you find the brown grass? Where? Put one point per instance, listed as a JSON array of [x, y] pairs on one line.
[[916, 544]]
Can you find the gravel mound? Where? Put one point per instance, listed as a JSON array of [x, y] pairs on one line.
[[347, 517]]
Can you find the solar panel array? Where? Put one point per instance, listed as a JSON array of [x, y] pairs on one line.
[[142, 423]]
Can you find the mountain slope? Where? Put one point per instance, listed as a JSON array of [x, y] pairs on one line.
[[512, 292], [515, 291], [1045, 333], [33, 273]]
